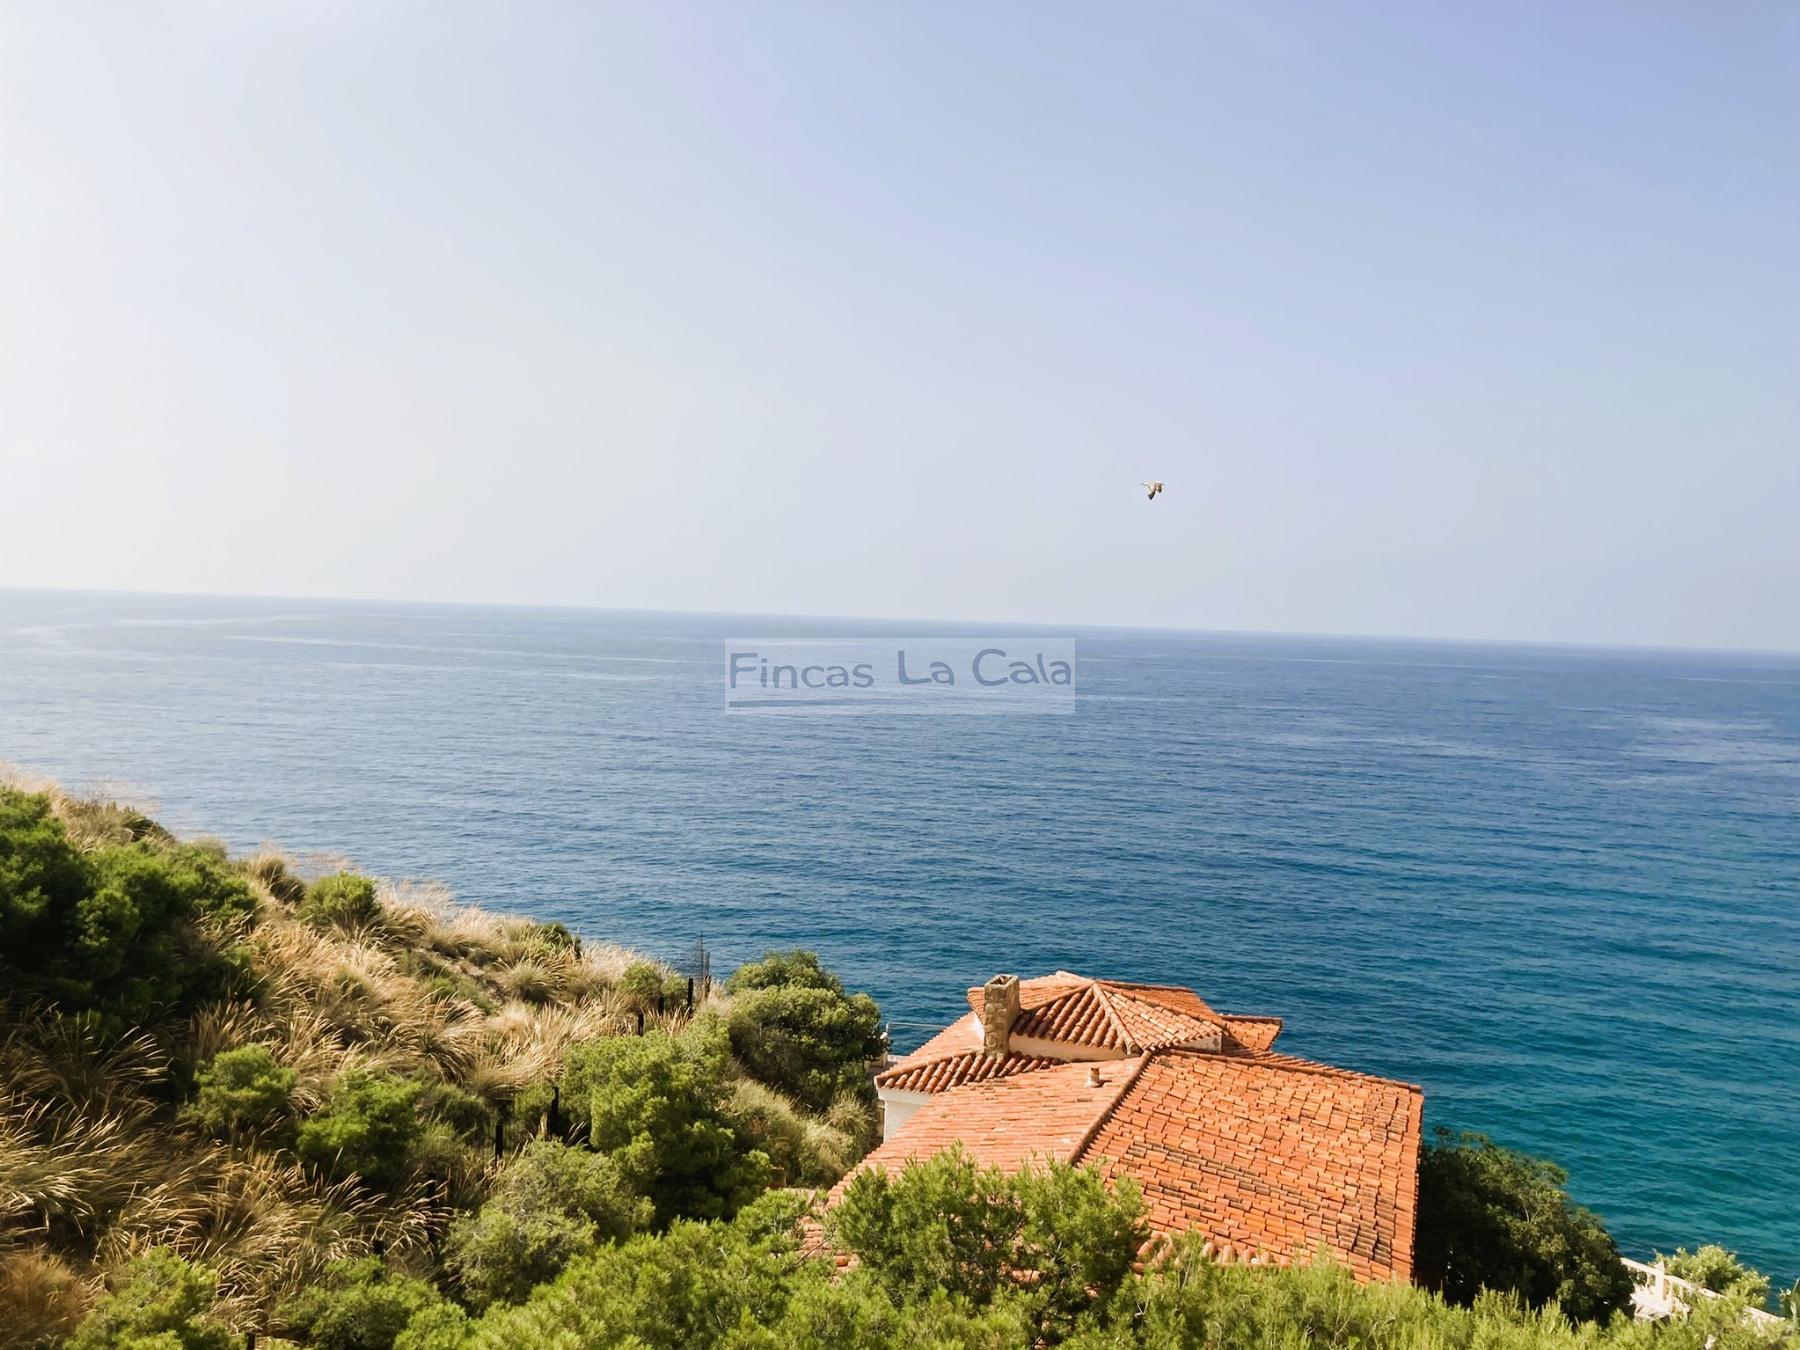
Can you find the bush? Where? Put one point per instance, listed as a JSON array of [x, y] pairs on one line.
[[814, 1044], [160, 1303], [685, 1289], [119, 931], [1058, 1237], [803, 1150], [368, 1129], [645, 982], [551, 1204], [797, 969], [360, 1306], [242, 1090], [341, 900], [442, 1326], [1490, 1218], [556, 937], [1712, 1267], [656, 1103]]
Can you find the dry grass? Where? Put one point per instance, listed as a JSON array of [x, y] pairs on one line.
[[42, 1296]]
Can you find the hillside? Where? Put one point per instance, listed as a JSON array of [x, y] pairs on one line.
[[238, 1099]]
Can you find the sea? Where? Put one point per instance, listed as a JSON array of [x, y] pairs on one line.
[[1557, 887]]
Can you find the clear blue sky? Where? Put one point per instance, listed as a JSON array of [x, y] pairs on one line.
[[1444, 319]]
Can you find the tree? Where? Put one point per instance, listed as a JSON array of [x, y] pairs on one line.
[[361, 1305], [794, 1028], [367, 1129], [656, 1104], [242, 1090], [1491, 1218], [161, 1303], [1056, 1240], [1712, 1267], [551, 1204], [341, 900]]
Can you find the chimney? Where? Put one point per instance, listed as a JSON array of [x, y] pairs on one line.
[[999, 1006]]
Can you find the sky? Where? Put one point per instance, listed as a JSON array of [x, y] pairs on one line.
[[1437, 319]]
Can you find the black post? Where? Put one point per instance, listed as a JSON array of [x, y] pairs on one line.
[[249, 1340], [659, 1005], [500, 1134], [640, 1024], [690, 993]]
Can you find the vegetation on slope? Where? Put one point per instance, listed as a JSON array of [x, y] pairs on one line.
[[211, 1060], [355, 1117]]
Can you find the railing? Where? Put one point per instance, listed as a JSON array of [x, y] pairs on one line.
[[1660, 1294]]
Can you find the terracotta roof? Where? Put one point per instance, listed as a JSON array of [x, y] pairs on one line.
[[916, 1074], [1046, 1115], [1111, 1015], [1271, 1154], [962, 1034], [1249, 1035]]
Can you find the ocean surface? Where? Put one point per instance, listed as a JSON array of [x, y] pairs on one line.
[[1558, 888]]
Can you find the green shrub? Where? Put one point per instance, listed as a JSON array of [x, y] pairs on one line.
[[121, 931], [797, 969], [42, 876], [1490, 1218], [469, 1115], [551, 1204], [360, 1305], [803, 1150], [1712, 1267], [161, 1302], [442, 1326], [341, 900], [243, 1090], [1059, 1237], [644, 983], [811, 1043], [656, 1103], [368, 1129], [556, 937], [686, 1289]]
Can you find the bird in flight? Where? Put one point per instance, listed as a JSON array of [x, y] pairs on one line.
[[1155, 487]]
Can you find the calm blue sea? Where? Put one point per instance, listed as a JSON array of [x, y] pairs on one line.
[[1559, 888]]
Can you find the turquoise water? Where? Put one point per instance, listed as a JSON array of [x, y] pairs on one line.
[[1558, 888]]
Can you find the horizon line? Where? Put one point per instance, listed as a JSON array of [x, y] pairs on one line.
[[1790, 653]]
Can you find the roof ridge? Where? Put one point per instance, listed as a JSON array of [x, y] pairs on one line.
[[1253, 1017], [1093, 1129]]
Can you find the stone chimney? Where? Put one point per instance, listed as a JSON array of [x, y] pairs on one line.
[[999, 1006]]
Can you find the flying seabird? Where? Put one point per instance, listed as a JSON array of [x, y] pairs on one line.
[[1155, 487]]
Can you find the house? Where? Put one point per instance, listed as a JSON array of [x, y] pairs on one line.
[[1270, 1156]]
